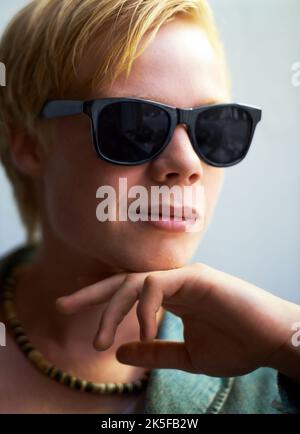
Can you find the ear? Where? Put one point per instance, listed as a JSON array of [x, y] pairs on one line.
[[25, 151]]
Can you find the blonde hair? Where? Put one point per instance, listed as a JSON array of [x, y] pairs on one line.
[[42, 47]]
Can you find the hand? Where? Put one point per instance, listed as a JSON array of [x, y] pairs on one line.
[[231, 327]]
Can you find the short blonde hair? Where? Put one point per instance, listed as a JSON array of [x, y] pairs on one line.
[[42, 47]]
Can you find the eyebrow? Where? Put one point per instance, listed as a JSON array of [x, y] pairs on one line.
[[208, 101]]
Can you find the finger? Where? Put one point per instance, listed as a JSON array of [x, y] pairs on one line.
[[160, 289], [156, 354], [151, 299], [99, 292], [118, 307]]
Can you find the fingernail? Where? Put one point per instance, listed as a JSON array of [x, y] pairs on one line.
[[97, 344], [60, 299], [58, 303], [61, 307]]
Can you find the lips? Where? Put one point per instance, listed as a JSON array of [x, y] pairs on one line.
[[170, 212]]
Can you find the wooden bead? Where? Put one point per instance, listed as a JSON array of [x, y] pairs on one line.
[[77, 384], [99, 387], [53, 371], [83, 384], [58, 375], [35, 356], [27, 347], [19, 331], [22, 340], [89, 386], [44, 366], [128, 387], [120, 387], [111, 388], [72, 381], [9, 309], [14, 322]]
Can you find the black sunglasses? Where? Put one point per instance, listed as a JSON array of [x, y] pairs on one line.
[[131, 131]]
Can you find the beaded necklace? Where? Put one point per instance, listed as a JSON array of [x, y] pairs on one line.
[[44, 365]]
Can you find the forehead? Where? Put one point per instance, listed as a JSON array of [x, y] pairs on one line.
[[179, 67]]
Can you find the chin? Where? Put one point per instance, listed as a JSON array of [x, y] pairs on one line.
[[143, 261]]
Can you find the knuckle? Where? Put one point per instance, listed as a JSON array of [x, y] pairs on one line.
[[197, 265], [200, 267], [150, 281]]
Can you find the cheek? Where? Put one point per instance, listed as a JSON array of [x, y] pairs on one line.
[[72, 175], [69, 195]]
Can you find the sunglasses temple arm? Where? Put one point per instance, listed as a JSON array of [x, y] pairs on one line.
[[55, 109]]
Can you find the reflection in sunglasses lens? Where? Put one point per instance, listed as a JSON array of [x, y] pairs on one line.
[[223, 133], [132, 131]]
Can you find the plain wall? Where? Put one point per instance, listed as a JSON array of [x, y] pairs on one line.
[[255, 231]]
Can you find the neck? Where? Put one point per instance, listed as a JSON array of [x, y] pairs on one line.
[[55, 271]]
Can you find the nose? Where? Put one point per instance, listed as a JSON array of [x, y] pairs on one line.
[[178, 163]]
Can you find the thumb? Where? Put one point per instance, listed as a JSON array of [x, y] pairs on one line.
[[155, 354]]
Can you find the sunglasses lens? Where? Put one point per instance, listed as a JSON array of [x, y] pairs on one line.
[[223, 134], [131, 131]]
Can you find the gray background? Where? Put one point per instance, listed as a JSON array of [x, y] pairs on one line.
[[255, 231]]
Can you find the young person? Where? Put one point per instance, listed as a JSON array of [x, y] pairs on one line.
[[211, 342]]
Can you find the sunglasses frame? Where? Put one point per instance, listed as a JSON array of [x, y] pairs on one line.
[[177, 116]]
